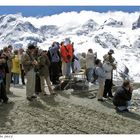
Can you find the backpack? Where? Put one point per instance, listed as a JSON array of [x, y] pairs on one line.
[[95, 75], [68, 56]]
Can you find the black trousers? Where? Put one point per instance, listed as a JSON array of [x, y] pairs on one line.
[[108, 88], [55, 72], [37, 84], [22, 75], [3, 95]]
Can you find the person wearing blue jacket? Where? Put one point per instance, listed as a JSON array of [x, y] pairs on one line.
[[100, 72], [55, 61]]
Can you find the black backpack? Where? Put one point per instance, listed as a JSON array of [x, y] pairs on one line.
[[95, 75]]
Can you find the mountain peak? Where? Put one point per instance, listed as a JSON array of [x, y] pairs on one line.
[[136, 24], [112, 22], [90, 24]]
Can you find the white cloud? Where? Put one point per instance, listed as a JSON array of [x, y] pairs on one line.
[[80, 18]]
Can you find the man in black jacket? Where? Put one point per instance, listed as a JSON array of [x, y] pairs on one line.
[[3, 96], [122, 97]]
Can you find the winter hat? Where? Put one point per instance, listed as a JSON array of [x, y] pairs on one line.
[[111, 51], [97, 61]]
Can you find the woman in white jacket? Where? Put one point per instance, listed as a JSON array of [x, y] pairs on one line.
[[90, 65], [108, 82]]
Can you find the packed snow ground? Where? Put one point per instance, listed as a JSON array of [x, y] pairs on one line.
[[66, 113]]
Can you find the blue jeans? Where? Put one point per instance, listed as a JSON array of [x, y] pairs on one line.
[[121, 108], [16, 78], [72, 66], [68, 69], [89, 74]]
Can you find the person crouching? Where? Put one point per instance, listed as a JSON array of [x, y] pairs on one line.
[[122, 97]]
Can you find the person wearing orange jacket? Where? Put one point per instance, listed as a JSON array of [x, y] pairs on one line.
[[67, 55]]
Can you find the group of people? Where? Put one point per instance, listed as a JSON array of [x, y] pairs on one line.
[[103, 73], [39, 66]]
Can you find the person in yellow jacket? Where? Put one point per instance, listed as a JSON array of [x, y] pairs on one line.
[[16, 67]]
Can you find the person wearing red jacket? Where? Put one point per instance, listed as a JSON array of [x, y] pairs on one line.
[[67, 55]]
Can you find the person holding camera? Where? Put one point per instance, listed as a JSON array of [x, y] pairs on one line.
[[29, 64], [108, 57], [108, 81]]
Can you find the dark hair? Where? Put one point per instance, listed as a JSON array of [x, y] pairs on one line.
[[90, 50], [97, 61], [10, 46], [126, 83], [5, 49], [62, 43], [31, 46], [15, 52]]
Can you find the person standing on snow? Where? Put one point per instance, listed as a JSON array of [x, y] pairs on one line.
[[67, 55], [55, 62], [108, 81], [7, 53], [21, 55], [111, 59], [122, 97], [29, 64], [3, 96], [43, 65], [90, 65], [101, 79], [16, 68]]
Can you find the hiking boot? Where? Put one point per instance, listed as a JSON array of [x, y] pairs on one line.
[[111, 96], [33, 97], [105, 97], [101, 100], [121, 111], [23, 84], [126, 110], [118, 110], [29, 99], [53, 93]]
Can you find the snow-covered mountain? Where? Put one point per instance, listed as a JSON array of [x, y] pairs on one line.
[[87, 29]]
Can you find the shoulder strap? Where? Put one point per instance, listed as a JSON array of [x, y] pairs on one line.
[[95, 70], [31, 57], [66, 49]]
